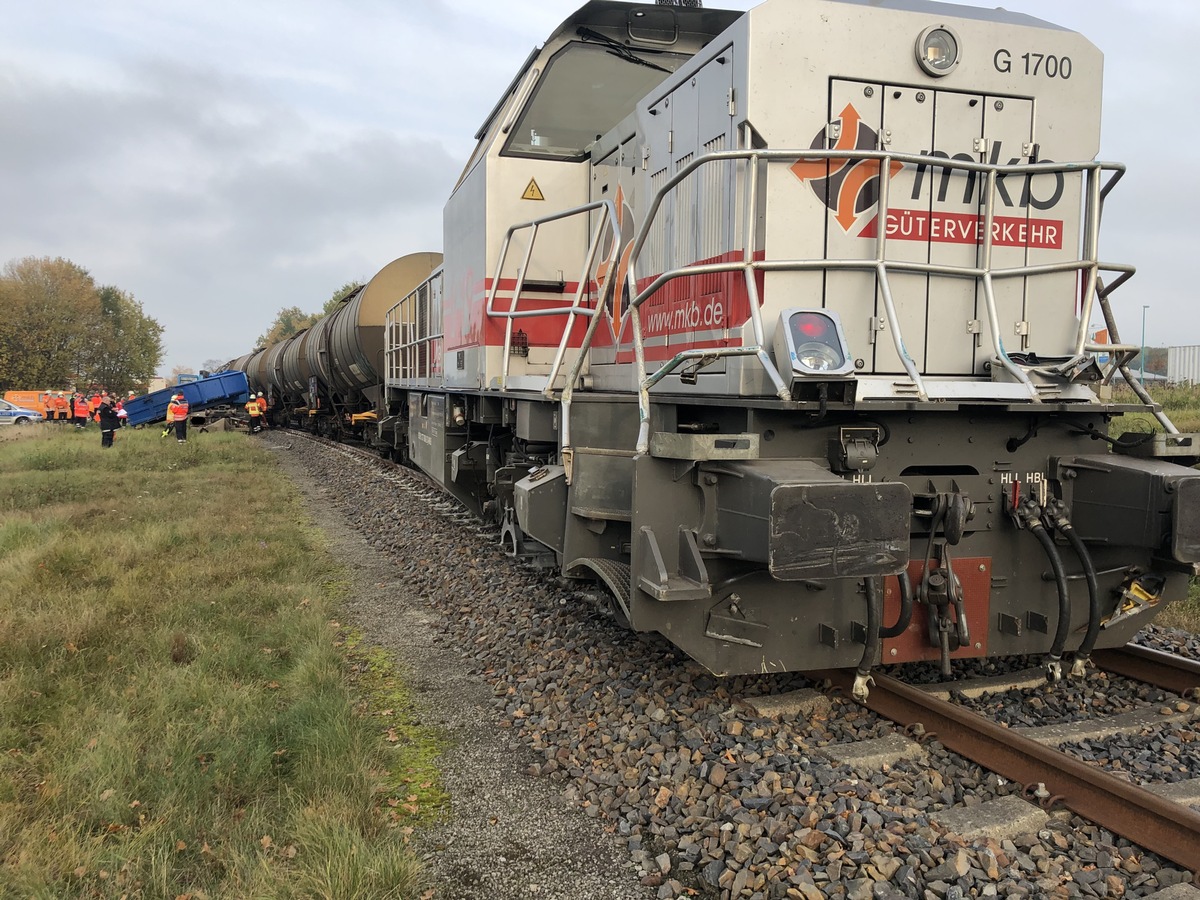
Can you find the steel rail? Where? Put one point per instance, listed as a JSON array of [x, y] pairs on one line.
[[1169, 829], [1165, 670]]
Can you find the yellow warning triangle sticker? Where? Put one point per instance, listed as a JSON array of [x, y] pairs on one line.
[[532, 191]]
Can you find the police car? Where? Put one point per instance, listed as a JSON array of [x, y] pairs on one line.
[[11, 414]]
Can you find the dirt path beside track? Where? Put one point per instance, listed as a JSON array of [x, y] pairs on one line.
[[508, 835]]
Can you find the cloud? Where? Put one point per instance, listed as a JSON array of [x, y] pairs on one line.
[[199, 189]]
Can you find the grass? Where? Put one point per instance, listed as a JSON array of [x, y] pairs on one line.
[[181, 715], [1184, 614], [1181, 403]]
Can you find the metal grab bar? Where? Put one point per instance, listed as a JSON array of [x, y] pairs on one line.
[[1097, 189], [576, 307], [1095, 194]]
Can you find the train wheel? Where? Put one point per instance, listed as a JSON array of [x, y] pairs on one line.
[[613, 575]]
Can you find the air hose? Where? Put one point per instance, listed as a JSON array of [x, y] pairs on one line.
[[1030, 512], [1058, 516], [871, 651], [906, 609]]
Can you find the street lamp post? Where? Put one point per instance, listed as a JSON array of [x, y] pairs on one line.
[[1145, 306]]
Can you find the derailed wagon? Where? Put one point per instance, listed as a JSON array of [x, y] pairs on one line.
[[223, 389], [327, 378]]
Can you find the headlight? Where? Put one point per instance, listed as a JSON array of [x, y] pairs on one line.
[[810, 343], [938, 50], [818, 357]]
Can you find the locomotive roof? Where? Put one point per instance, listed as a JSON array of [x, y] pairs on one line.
[[614, 14], [958, 10]]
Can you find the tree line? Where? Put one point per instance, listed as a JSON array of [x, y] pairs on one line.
[[60, 330]]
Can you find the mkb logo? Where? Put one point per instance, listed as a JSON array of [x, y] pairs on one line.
[[849, 187]]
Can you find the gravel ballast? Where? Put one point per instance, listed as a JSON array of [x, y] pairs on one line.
[[591, 762]]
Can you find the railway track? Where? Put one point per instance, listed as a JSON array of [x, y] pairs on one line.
[[1053, 777], [411, 481]]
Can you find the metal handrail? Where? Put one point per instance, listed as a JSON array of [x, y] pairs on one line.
[[576, 308], [1089, 261]]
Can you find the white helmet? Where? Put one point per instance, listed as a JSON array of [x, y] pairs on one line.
[[260, 393]]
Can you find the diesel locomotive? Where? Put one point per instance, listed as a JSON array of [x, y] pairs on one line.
[[779, 324]]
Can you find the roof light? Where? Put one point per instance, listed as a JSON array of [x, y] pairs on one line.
[[938, 50]]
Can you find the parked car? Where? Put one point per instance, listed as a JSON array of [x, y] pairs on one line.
[[11, 414]]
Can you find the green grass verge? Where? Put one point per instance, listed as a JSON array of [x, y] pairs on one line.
[[179, 713], [1184, 614], [1181, 403]]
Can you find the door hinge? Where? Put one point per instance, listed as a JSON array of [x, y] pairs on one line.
[[875, 325], [732, 102]]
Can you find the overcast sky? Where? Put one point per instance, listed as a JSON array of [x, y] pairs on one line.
[[223, 160]]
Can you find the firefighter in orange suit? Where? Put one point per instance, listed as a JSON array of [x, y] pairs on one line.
[[62, 408], [80, 408], [262, 408], [177, 413], [255, 412]]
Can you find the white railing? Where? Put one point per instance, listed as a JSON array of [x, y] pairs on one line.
[[1099, 178]]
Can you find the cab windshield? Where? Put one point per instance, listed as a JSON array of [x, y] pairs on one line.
[[587, 88]]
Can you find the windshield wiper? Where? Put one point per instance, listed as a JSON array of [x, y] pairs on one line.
[[616, 48]]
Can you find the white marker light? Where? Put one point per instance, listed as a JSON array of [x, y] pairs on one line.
[[938, 50]]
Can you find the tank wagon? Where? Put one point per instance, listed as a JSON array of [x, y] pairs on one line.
[[777, 322], [328, 377]]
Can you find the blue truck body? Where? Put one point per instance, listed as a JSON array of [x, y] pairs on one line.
[[224, 388]]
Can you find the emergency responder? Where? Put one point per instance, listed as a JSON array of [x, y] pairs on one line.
[[109, 421], [177, 413], [62, 408], [262, 408], [255, 412], [80, 409]]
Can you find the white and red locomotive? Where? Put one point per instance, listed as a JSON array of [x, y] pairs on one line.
[[778, 323]]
